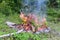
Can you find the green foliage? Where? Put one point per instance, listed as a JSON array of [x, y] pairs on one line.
[[53, 10], [30, 36], [27, 36], [8, 7], [4, 9], [53, 3]]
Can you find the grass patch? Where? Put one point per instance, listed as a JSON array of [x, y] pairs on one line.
[[4, 29]]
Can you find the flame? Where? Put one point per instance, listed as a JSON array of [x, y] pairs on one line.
[[28, 18], [23, 17], [34, 18]]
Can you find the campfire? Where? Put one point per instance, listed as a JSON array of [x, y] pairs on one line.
[[30, 23]]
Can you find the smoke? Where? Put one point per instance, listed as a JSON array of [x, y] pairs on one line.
[[37, 7]]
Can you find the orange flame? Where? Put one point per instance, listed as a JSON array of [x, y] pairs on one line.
[[28, 18]]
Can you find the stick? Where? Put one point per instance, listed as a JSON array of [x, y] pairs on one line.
[[6, 35]]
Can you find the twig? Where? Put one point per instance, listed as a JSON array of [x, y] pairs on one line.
[[6, 35]]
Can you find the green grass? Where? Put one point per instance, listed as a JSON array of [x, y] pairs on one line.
[[27, 36], [55, 26], [4, 29]]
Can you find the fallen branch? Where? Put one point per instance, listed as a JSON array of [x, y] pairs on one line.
[[6, 35]]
